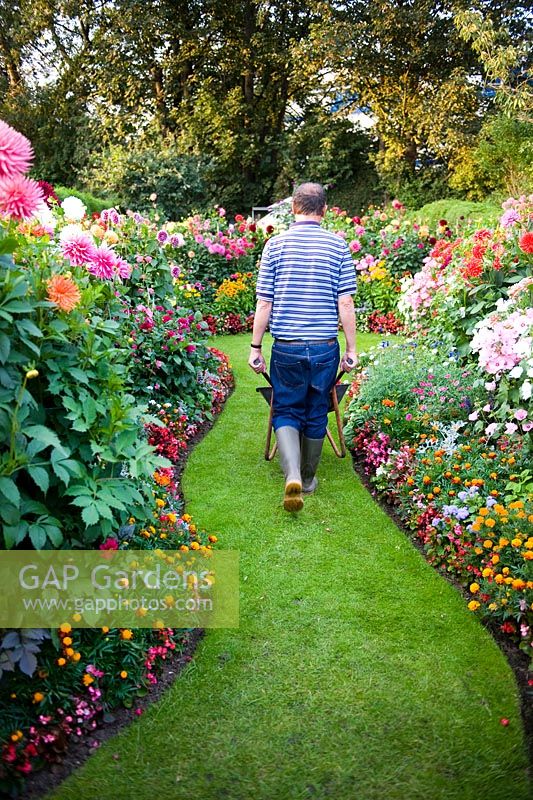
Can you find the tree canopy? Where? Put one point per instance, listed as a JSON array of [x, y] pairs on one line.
[[260, 93]]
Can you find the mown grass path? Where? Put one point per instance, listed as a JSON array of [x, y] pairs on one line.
[[357, 673]]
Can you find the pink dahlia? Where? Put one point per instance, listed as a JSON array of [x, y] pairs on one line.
[[102, 263], [19, 197], [122, 268], [16, 152], [77, 246]]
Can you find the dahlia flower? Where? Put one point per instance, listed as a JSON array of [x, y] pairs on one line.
[[63, 292], [76, 245], [122, 268], [73, 209], [19, 197], [526, 242], [16, 152], [102, 262]]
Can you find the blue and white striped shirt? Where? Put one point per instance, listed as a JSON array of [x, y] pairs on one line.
[[303, 272]]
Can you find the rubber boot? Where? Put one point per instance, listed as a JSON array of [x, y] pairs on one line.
[[310, 458], [288, 439]]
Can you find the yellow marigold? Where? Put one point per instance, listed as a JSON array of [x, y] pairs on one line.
[[495, 559], [484, 512], [65, 627], [473, 605], [105, 629], [493, 606], [61, 661], [76, 657], [528, 555], [499, 509], [490, 523], [487, 543], [38, 697], [126, 634], [160, 503], [516, 503], [503, 542], [499, 578], [63, 292], [506, 570], [518, 583], [487, 572], [516, 542], [87, 679], [474, 587], [123, 674], [529, 543]]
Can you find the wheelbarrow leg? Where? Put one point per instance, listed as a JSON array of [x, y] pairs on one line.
[[270, 453], [340, 453]]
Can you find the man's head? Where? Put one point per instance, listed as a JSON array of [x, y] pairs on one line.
[[309, 199]]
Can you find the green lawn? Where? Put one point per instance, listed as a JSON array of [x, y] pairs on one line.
[[357, 672]]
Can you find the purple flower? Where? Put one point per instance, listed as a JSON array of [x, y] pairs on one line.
[[162, 236]]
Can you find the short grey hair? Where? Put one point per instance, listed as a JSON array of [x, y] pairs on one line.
[[309, 198]]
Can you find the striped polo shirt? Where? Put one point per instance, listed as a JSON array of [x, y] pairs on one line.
[[303, 272]]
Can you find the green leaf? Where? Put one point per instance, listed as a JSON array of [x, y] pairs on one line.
[[5, 348], [54, 534], [104, 510], [8, 245], [45, 435], [82, 500], [18, 307], [37, 536], [14, 534], [90, 515], [29, 327], [8, 488], [40, 476]]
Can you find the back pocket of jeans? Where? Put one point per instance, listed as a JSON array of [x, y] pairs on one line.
[[289, 373]]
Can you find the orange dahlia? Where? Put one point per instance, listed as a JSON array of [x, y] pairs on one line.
[[63, 292]]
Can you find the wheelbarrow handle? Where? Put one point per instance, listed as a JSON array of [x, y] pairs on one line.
[[265, 373]]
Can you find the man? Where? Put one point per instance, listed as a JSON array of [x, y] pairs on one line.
[[305, 284]]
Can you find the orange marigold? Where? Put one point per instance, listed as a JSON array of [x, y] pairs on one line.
[[63, 292]]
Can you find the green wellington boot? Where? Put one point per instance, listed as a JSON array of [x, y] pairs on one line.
[[288, 439], [311, 452]]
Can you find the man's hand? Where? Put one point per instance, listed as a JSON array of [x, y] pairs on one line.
[[349, 361], [256, 361]]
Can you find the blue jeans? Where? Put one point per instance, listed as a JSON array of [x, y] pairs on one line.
[[302, 378]]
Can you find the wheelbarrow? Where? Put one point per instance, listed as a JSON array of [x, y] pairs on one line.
[[336, 395]]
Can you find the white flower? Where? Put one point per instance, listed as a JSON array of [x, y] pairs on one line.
[[46, 217], [73, 208], [525, 390], [516, 372], [69, 231]]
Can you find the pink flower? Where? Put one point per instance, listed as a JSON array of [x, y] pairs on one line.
[[76, 245], [19, 197], [520, 414], [355, 245], [489, 430], [16, 152], [511, 428], [102, 263], [109, 544], [122, 268], [190, 348]]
